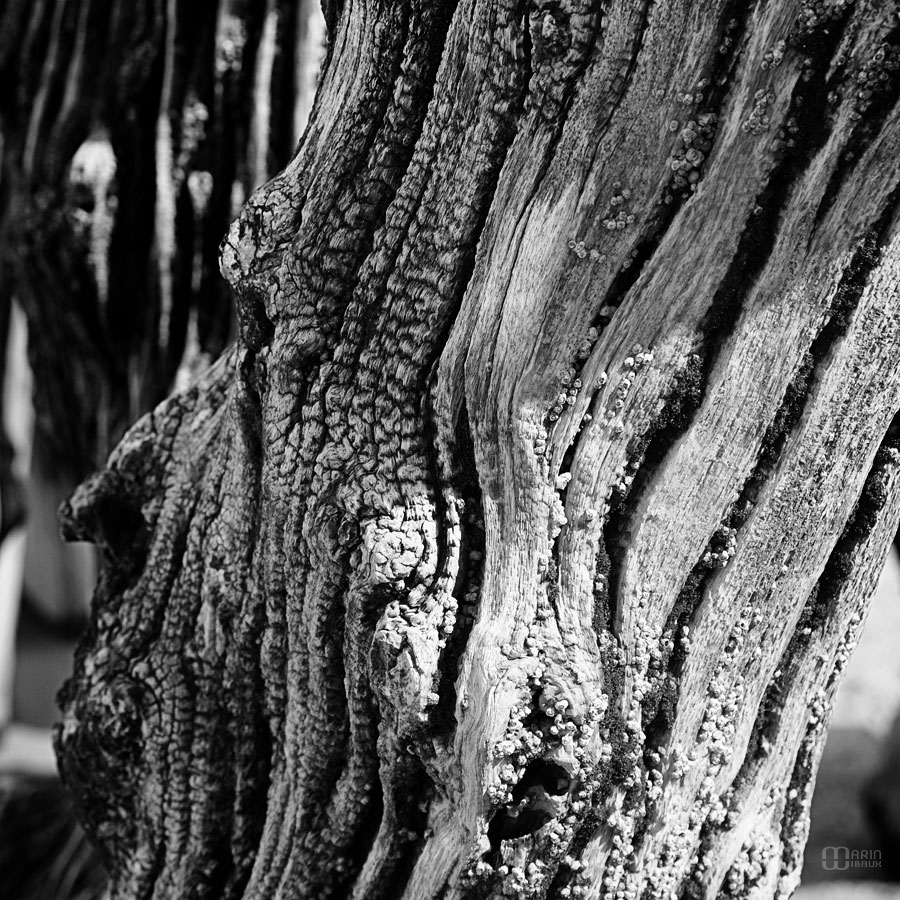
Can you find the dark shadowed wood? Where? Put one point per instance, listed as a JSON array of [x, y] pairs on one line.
[[518, 546], [131, 134]]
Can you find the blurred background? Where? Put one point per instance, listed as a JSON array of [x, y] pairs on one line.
[[130, 135]]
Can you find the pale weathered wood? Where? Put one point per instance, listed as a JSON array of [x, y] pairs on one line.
[[514, 548]]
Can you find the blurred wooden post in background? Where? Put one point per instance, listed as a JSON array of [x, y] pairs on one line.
[[132, 133]]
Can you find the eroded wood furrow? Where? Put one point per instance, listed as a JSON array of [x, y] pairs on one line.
[[545, 420]]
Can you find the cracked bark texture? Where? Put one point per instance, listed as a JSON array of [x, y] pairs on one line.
[[519, 544]]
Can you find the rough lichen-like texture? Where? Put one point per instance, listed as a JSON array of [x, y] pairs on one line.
[[518, 546]]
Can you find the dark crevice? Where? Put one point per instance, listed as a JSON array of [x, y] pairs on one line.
[[550, 576], [605, 607], [785, 420], [533, 804], [606, 600], [612, 730], [367, 827], [798, 794], [442, 717], [551, 776], [249, 390], [661, 705], [551, 579], [648, 452]]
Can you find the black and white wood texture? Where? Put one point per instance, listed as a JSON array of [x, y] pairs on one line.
[[518, 546]]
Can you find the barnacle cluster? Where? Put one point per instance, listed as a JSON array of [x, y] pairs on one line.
[[721, 548], [687, 159], [634, 363], [570, 382], [727, 41], [570, 386], [758, 121], [758, 853], [619, 216], [814, 14], [773, 56], [873, 77], [581, 250]]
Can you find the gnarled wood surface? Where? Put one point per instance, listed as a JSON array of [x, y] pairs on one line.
[[518, 546]]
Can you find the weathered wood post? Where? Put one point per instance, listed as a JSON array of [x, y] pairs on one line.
[[518, 546]]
